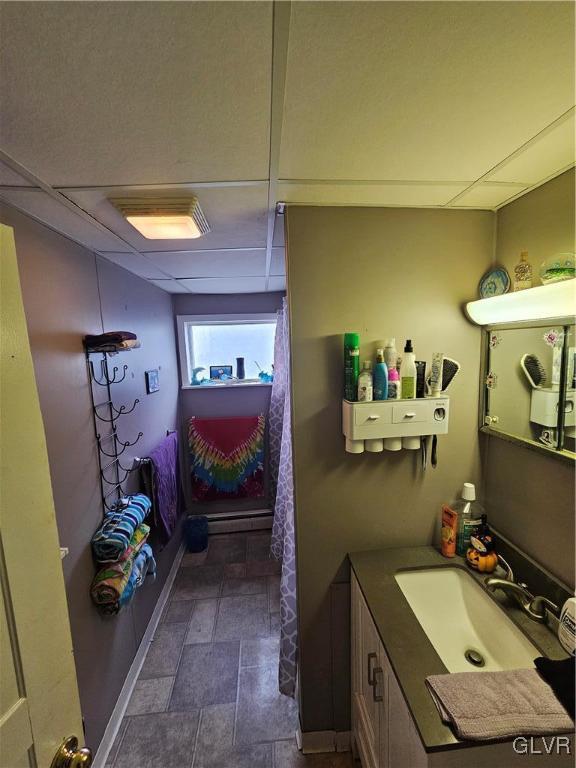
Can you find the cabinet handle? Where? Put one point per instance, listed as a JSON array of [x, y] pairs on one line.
[[409, 415], [371, 657], [378, 681], [373, 417]]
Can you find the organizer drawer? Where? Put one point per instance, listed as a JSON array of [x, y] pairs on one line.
[[411, 412]]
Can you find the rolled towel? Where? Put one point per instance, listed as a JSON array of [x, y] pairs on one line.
[[481, 706], [110, 582], [112, 539], [144, 564], [110, 337]]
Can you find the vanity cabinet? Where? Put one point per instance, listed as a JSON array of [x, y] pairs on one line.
[[383, 731]]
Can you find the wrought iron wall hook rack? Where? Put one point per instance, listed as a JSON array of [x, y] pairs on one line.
[[112, 474]]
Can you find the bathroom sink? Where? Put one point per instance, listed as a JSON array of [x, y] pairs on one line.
[[468, 630]]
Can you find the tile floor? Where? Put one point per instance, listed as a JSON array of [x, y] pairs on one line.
[[207, 695]]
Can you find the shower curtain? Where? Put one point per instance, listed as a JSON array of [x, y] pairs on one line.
[[283, 539]]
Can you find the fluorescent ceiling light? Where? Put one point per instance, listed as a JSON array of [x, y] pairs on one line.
[[547, 301], [164, 219]]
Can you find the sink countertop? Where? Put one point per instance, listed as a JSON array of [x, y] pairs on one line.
[[412, 655]]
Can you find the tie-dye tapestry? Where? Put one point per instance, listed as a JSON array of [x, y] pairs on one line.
[[283, 539], [227, 457]]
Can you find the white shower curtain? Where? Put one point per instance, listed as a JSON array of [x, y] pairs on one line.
[[283, 538]]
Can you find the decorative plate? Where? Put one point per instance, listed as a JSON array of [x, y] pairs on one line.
[[494, 283]]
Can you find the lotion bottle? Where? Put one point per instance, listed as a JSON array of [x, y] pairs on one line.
[[393, 384], [390, 354], [408, 373], [365, 384]]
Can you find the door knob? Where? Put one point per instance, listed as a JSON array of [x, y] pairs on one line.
[[70, 756]]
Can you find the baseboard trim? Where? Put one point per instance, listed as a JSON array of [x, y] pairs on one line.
[[118, 712], [315, 742], [223, 524]]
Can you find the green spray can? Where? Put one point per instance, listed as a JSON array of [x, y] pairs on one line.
[[351, 365]]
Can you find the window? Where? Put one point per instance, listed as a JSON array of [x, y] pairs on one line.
[[215, 341]]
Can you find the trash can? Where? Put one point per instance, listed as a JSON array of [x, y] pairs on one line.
[[196, 533]]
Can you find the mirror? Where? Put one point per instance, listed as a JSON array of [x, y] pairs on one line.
[[529, 383]]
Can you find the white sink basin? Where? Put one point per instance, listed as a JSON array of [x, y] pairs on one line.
[[458, 616]]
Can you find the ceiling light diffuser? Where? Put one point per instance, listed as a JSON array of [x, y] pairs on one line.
[[175, 218], [545, 302]]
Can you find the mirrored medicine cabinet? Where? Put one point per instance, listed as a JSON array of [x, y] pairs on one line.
[[528, 385]]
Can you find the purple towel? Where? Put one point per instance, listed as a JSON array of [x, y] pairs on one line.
[[166, 484]]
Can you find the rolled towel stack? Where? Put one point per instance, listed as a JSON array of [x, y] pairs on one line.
[[112, 341], [119, 546]]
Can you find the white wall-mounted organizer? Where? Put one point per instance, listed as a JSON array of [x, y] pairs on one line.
[[393, 424]]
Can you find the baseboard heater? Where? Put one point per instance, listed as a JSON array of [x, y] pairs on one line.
[[247, 520]]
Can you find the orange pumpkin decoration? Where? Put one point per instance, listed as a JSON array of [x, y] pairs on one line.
[[483, 563]]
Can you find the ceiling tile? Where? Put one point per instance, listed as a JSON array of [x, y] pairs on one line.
[[170, 286], [549, 154], [229, 263], [278, 265], [421, 91], [370, 194], [277, 283], [488, 195], [226, 285], [137, 264], [237, 215], [46, 209], [9, 178], [140, 93]]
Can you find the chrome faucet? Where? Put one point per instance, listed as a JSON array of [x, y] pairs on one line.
[[535, 607]]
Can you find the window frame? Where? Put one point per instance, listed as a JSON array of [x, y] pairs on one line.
[[183, 321]]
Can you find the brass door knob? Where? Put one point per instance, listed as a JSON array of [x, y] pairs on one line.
[[69, 756]]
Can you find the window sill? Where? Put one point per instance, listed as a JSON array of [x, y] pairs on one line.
[[227, 385]]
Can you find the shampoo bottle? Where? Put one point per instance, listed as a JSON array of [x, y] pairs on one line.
[[393, 384], [351, 365], [390, 354], [380, 377], [408, 372], [365, 384]]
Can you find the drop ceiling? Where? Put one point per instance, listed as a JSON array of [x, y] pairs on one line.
[[444, 104]]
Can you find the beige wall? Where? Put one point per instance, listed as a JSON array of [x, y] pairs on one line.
[[381, 272], [531, 496], [69, 292]]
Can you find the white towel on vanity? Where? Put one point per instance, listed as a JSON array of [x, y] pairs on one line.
[[498, 705]]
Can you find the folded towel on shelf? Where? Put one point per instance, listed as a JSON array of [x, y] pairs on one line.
[[481, 706], [161, 477], [560, 676], [111, 581], [227, 457], [112, 539], [143, 565]]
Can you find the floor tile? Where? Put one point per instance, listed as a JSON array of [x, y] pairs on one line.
[[274, 594], [150, 696], [248, 586], [263, 714], [201, 626], [178, 611], [192, 559], [287, 755], [207, 674], [274, 624], [197, 583], [116, 744], [159, 741], [243, 617], [164, 652], [216, 728], [263, 568], [236, 571], [257, 756], [227, 549], [259, 652], [258, 546]]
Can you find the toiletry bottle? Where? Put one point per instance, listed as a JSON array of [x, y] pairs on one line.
[[365, 385], [408, 373], [567, 626], [420, 378], [448, 531], [380, 377], [390, 354], [393, 384], [469, 517], [523, 273], [351, 365]]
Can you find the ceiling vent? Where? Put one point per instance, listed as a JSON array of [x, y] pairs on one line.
[[173, 218]]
